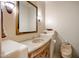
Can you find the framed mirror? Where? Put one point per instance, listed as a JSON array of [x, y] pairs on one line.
[[26, 20]]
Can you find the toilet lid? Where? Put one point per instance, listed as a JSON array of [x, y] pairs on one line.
[[66, 51]]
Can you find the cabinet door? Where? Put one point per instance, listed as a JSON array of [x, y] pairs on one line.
[[42, 52]]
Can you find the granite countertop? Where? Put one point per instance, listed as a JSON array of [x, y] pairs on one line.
[[10, 46], [34, 46]]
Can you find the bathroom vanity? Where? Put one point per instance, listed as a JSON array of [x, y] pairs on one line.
[[42, 46], [39, 47]]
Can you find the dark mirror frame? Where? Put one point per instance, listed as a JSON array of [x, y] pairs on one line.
[[17, 19], [2, 30]]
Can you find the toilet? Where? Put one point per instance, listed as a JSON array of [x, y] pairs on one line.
[[66, 50]]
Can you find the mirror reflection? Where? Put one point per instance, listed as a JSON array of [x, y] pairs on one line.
[[27, 17]]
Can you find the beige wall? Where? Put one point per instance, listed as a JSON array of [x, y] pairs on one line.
[[10, 24], [64, 17]]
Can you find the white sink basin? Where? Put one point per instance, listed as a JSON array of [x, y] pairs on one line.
[[37, 40]]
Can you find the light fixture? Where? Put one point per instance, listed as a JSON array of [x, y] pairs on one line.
[[39, 18], [9, 5]]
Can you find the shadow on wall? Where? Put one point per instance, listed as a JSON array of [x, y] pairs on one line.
[[59, 41], [57, 45], [74, 53]]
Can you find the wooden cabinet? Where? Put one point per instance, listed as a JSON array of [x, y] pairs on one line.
[[42, 52]]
